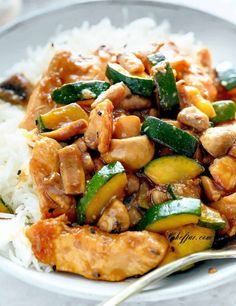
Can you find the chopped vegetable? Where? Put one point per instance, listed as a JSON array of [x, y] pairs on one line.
[[107, 183], [165, 81], [4, 208], [227, 75], [187, 240], [171, 169], [82, 90], [176, 139], [211, 218], [225, 110], [57, 117], [171, 214], [140, 84], [211, 191]]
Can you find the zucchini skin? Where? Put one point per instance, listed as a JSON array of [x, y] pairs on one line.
[[227, 75], [211, 218], [98, 180], [78, 91], [188, 206], [165, 82], [225, 110], [138, 85], [166, 134]]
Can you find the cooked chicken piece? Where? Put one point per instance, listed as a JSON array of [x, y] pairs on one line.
[[126, 127], [16, 89], [190, 188], [227, 207], [99, 132], [134, 215], [223, 171], [173, 122], [44, 168], [64, 68], [115, 218], [68, 131], [159, 196], [131, 63], [193, 117], [98, 163], [81, 144], [96, 255], [133, 183], [134, 152], [200, 79], [71, 169], [135, 102], [204, 59], [178, 62], [211, 191], [86, 158], [115, 93], [218, 140]]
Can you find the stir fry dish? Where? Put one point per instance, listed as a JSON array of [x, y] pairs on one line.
[[133, 158]]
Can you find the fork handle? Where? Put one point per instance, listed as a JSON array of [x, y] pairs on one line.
[[160, 273]]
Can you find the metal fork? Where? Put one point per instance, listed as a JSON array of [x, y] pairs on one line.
[[229, 251]]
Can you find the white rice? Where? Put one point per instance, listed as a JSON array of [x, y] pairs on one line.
[[14, 151]]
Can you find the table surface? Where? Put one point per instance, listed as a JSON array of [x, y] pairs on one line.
[[16, 293]]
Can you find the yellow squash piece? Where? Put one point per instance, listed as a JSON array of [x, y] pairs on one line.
[[172, 169], [4, 208], [112, 189], [61, 115], [187, 240]]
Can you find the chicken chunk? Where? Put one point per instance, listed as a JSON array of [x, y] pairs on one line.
[[16, 89], [131, 63], [44, 169], [126, 127], [227, 207], [223, 170], [193, 117], [197, 77], [134, 152], [115, 93], [99, 132], [64, 68], [68, 131], [96, 255], [115, 218], [134, 102], [71, 169], [218, 140]]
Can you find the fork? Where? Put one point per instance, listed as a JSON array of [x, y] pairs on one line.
[[229, 251]]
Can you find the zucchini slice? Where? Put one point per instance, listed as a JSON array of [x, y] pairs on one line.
[[187, 240], [78, 91], [107, 183], [211, 218], [227, 75], [225, 110], [171, 214], [141, 85], [57, 117], [165, 82], [166, 134], [173, 168]]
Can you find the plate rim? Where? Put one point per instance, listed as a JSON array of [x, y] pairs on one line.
[[18, 271]]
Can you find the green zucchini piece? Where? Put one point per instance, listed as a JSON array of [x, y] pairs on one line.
[[141, 85], [166, 134], [78, 91], [173, 168], [225, 110], [227, 75], [165, 82], [171, 214], [171, 192], [104, 185], [211, 218]]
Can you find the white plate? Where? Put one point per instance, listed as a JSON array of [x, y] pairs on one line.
[[217, 33]]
